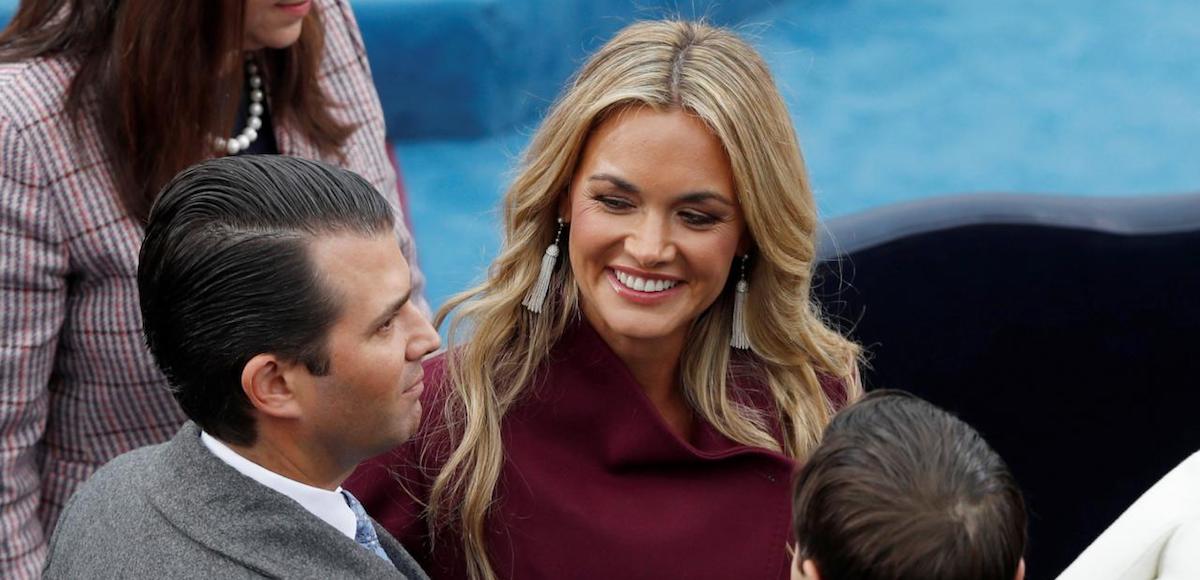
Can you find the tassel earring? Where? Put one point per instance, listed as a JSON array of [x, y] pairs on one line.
[[739, 340], [537, 296]]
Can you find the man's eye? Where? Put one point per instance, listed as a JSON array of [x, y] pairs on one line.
[[387, 325]]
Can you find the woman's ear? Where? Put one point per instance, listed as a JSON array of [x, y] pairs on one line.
[[745, 242], [1021, 569], [564, 205]]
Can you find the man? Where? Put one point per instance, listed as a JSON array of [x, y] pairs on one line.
[[275, 299]]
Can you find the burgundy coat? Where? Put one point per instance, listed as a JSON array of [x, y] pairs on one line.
[[595, 485]]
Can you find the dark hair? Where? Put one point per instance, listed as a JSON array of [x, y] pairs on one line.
[[159, 76], [225, 275], [902, 490]]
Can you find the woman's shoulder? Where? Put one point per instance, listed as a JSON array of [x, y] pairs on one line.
[[38, 138], [34, 91], [750, 384], [837, 391], [341, 27]]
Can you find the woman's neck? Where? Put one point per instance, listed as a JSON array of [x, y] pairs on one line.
[[654, 364]]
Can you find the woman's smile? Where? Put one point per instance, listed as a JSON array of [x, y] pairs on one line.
[[641, 288], [655, 225]]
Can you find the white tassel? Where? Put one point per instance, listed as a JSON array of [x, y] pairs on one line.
[[537, 296], [739, 339]]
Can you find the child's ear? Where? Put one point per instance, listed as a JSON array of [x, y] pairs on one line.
[[804, 569], [808, 570]]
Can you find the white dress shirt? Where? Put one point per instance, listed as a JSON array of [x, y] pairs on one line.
[[329, 506]]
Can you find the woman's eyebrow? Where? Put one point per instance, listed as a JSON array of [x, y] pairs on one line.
[[690, 197], [619, 183], [702, 196]]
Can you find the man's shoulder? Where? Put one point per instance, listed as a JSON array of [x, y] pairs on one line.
[[123, 475], [114, 498], [101, 523], [124, 489]]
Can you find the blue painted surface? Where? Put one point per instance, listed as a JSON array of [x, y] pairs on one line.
[[893, 100], [454, 189], [473, 68], [900, 100]]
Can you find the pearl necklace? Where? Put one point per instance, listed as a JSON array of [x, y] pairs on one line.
[[241, 142]]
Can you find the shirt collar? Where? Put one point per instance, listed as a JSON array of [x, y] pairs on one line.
[[327, 505]]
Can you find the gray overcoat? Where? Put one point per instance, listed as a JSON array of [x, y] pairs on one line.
[[177, 511]]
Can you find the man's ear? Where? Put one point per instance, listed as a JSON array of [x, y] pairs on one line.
[[269, 384], [1021, 569]]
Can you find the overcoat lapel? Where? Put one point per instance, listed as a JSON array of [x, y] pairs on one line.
[[219, 508]]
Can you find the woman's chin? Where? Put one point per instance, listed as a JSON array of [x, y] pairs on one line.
[[277, 39], [635, 327]]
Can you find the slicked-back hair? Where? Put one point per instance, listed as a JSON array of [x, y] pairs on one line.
[[225, 275], [902, 490]]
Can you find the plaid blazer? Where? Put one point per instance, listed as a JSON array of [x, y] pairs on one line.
[[77, 384]]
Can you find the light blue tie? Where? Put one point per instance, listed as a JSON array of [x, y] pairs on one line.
[[364, 532]]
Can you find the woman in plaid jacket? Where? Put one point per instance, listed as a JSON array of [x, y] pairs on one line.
[[100, 104]]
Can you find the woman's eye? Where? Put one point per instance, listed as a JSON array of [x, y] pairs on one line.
[[614, 203], [693, 218]]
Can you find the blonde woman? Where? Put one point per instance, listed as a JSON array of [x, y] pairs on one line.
[[643, 367]]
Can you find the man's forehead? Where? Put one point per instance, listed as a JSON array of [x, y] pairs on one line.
[[354, 258]]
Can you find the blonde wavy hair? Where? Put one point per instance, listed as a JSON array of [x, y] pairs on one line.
[[718, 77]]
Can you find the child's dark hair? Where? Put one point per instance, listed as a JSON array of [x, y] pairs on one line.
[[902, 490]]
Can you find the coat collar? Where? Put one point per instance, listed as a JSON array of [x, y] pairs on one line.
[[590, 384], [214, 505]]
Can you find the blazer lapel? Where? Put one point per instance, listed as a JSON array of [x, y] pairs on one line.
[[400, 557], [263, 530]]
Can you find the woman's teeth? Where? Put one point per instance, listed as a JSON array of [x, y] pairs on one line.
[[642, 284]]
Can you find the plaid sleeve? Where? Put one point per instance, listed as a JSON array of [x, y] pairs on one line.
[[347, 74], [33, 264]]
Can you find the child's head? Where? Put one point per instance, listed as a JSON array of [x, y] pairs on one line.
[[902, 490]]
